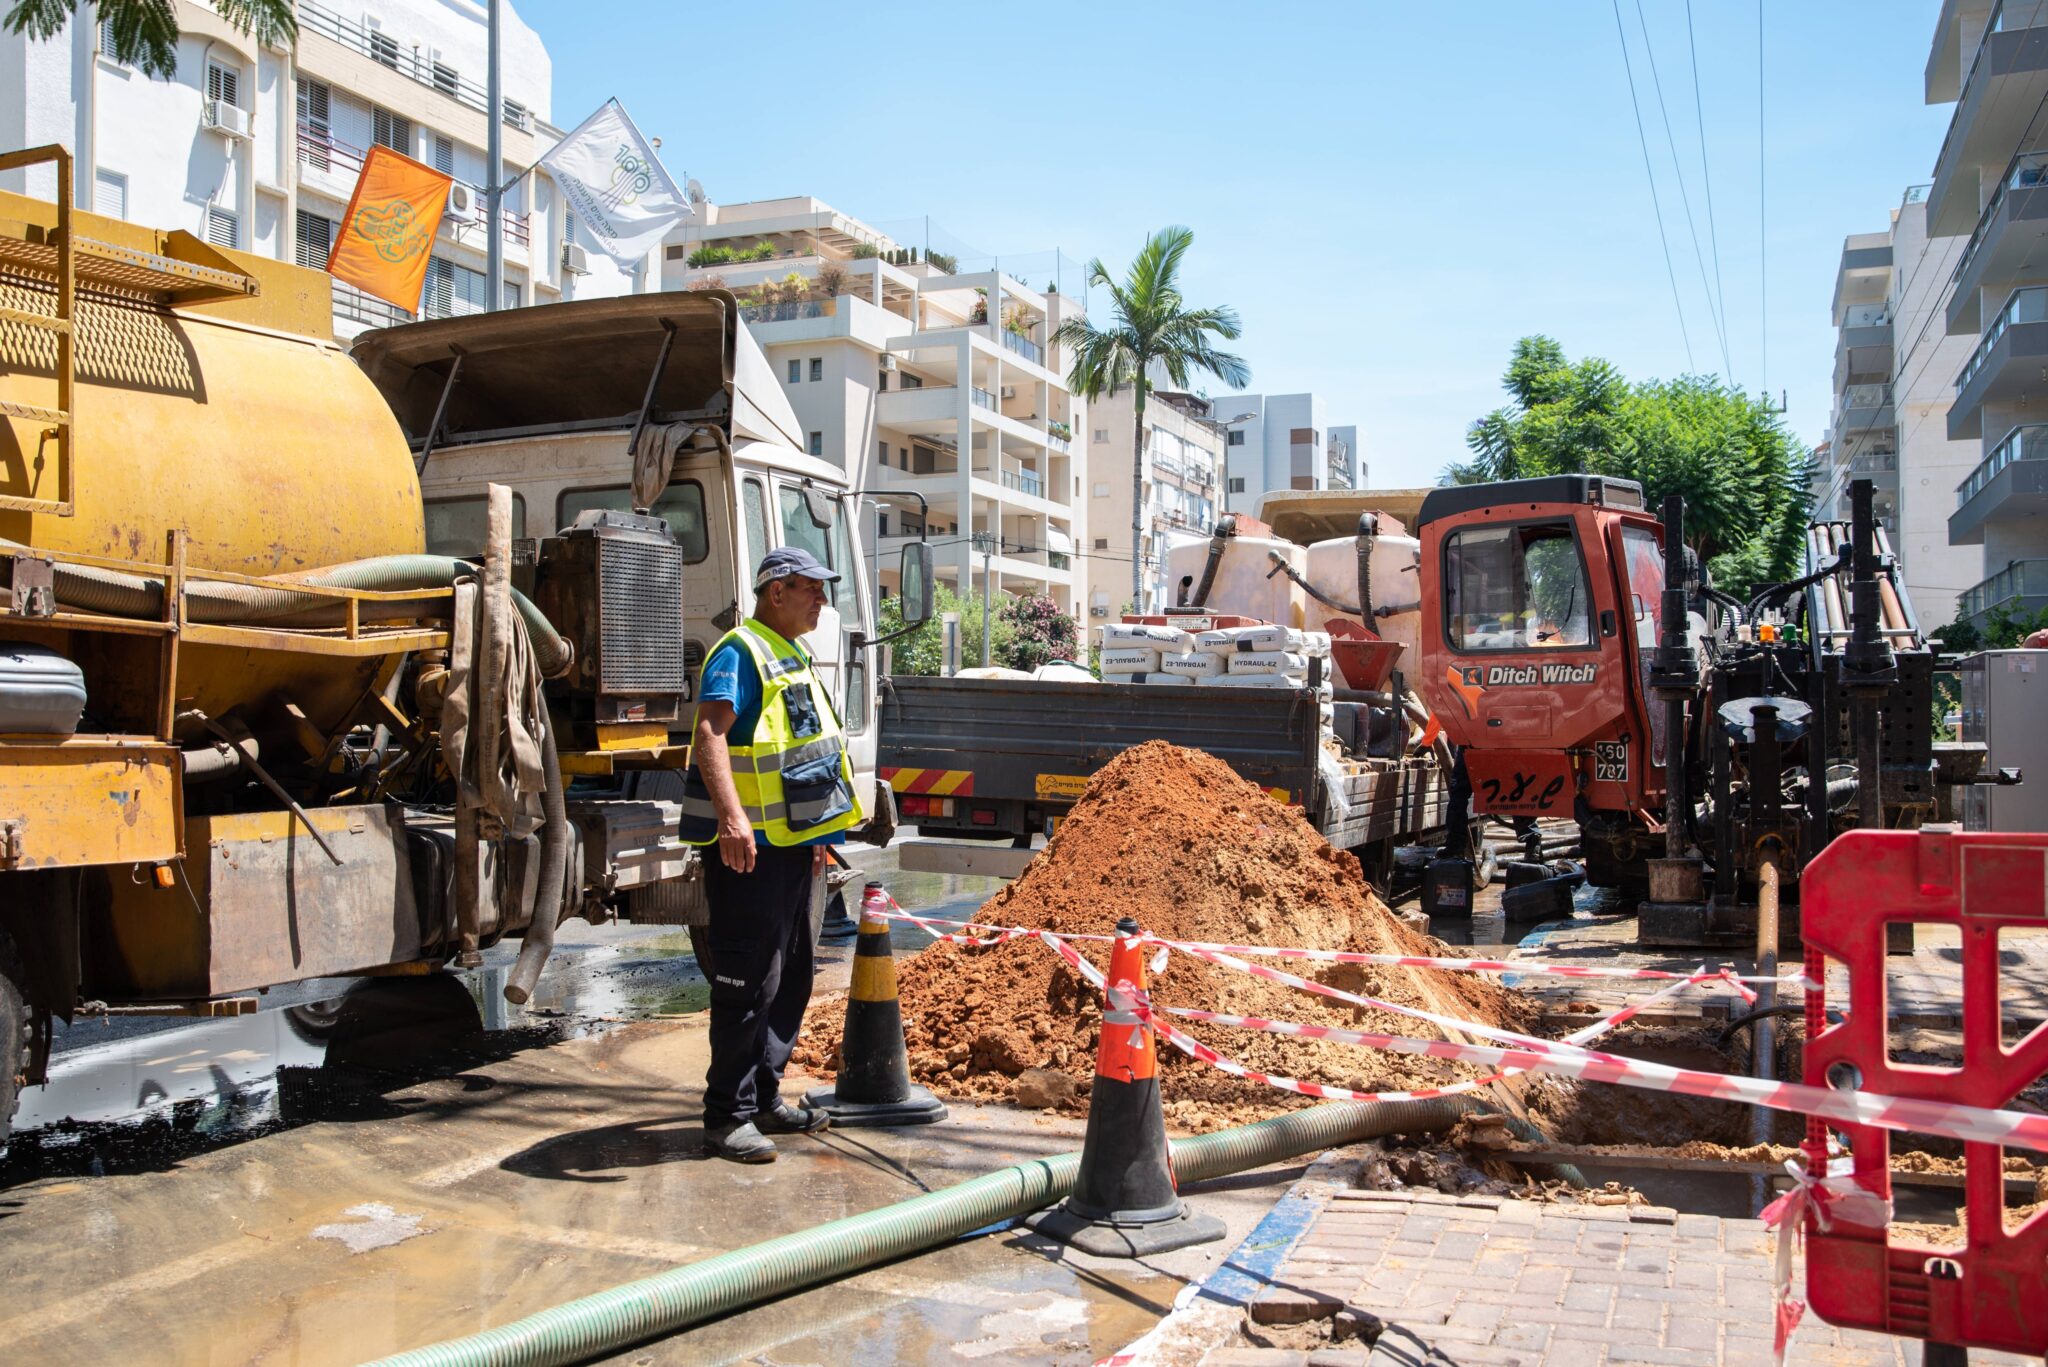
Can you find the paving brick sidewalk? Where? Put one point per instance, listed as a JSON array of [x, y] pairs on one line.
[[1477, 1279]]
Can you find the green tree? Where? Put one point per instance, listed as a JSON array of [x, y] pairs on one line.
[[923, 651], [1743, 477], [145, 32], [1149, 324]]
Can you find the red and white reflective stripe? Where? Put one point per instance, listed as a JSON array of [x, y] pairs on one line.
[[929, 924], [1950, 1121]]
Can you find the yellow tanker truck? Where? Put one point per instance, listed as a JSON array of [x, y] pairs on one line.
[[251, 730]]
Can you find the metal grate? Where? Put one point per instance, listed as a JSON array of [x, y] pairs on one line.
[[640, 594]]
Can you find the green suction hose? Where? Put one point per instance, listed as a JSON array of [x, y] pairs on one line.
[[673, 1300]]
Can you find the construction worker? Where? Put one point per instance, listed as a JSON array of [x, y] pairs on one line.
[[769, 785]]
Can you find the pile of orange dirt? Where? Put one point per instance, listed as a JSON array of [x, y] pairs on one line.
[[1176, 840]]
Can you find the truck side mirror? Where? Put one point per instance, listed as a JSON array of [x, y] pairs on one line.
[[914, 581]]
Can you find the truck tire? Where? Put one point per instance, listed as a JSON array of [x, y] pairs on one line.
[[14, 1034]]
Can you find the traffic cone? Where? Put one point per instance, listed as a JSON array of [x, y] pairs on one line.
[[874, 1086], [1125, 1202]]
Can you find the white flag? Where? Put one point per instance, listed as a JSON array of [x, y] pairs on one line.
[[615, 185]]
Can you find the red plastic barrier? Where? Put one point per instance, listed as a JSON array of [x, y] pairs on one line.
[[1991, 1292]]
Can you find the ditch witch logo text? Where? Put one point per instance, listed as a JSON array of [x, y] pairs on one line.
[[1469, 681]]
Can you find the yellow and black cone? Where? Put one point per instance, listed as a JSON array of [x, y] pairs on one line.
[[874, 1086], [1125, 1202]]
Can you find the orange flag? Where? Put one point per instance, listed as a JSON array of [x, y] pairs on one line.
[[384, 243]]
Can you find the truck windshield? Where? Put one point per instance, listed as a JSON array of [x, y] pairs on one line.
[[1645, 582], [681, 505], [829, 544], [1519, 587]]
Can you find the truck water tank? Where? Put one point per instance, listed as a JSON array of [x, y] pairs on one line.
[[1244, 582], [1396, 583]]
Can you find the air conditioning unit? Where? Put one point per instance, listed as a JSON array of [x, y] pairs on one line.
[[462, 203], [575, 260], [888, 363], [1009, 392], [1097, 610], [230, 121]]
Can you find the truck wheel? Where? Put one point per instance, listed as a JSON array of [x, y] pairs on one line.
[[14, 1034]]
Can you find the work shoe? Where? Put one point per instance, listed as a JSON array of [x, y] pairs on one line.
[[740, 1142], [783, 1118]]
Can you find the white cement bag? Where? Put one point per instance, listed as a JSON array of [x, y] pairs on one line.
[[1230, 640], [1327, 693], [1148, 679], [1063, 671], [1195, 664], [1268, 662], [992, 672], [1130, 660], [1121, 634]]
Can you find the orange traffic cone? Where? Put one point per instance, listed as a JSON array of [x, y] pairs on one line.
[[1125, 1202], [874, 1086]]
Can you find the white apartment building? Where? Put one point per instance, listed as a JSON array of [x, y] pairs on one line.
[[258, 148], [1895, 366], [1278, 441], [1990, 59], [1346, 459], [1183, 461], [921, 380]]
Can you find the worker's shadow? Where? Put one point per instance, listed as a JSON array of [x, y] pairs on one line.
[[604, 1154]]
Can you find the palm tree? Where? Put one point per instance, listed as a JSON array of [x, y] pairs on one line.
[[145, 32], [1150, 324]]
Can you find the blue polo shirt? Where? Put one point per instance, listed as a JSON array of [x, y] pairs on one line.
[[730, 676]]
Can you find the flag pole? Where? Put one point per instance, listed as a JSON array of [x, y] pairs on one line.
[[494, 152]]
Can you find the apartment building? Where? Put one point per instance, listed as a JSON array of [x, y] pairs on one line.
[[1895, 366], [1183, 460], [937, 388], [258, 148], [1989, 58], [1278, 441]]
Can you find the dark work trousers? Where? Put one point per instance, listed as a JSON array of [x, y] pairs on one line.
[[760, 979]]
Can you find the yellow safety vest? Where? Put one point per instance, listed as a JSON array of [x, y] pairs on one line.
[[793, 775]]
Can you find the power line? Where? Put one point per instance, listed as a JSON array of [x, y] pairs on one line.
[[1650, 171], [1763, 233], [1706, 174], [1678, 172]]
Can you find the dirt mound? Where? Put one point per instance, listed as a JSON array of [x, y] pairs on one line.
[[1177, 840]]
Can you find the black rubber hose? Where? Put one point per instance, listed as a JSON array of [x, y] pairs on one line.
[[549, 891]]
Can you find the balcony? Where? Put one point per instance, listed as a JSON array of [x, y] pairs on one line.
[[2008, 237], [331, 166], [984, 399], [1863, 345], [2005, 365], [2011, 482], [1024, 481], [1864, 273], [2021, 588], [789, 312], [2006, 83], [408, 60], [1864, 408], [1024, 346]]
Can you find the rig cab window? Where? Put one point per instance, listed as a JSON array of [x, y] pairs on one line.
[[1515, 587]]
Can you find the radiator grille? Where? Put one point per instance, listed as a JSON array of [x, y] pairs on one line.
[[640, 593]]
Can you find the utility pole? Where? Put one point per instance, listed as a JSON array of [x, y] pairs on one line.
[[494, 153], [985, 542]]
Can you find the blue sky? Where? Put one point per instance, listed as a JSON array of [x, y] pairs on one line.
[[1389, 195]]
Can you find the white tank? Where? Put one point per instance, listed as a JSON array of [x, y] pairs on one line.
[[1245, 585], [1396, 583]]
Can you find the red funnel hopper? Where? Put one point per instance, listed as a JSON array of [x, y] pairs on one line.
[[1361, 657]]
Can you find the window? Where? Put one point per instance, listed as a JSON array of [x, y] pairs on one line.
[[391, 130], [384, 48], [1101, 491], [754, 504], [828, 543], [223, 228], [445, 79], [882, 380], [882, 452], [674, 253], [460, 526], [514, 296], [881, 525], [1101, 436], [816, 445], [912, 382], [444, 155], [1101, 543], [222, 83], [315, 132], [452, 291], [796, 372], [107, 40], [315, 241], [1236, 437], [1237, 486], [817, 368], [516, 115], [681, 504], [1515, 587], [110, 194]]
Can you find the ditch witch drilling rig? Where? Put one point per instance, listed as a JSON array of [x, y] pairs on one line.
[[1708, 747]]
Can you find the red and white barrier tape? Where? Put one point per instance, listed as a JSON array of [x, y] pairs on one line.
[[1946, 1119], [1838, 1198]]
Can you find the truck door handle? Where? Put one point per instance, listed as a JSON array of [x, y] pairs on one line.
[[1607, 621]]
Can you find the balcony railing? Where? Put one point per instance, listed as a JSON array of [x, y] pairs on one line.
[[323, 151], [352, 305], [385, 50], [2022, 443], [1866, 396], [2020, 579], [788, 312], [983, 399], [1997, 24], [1024, 346], [1916, 194], [1058, 442], [2024, 306], [1874, 462], [2027, 171], [1867, 316], [1025, 482]]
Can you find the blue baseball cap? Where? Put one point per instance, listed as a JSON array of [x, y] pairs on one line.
[[791, 560]]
